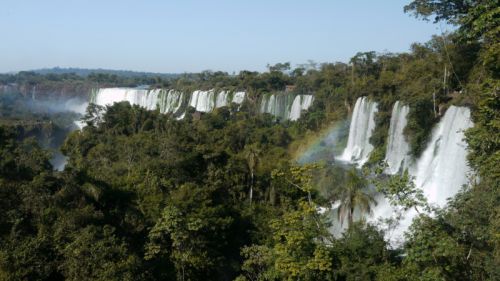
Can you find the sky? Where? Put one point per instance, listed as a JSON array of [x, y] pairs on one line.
[[196, 35]]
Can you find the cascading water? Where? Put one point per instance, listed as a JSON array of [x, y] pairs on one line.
[[442, 169], [222, 99], [203, 101], [362, 124], [285, 106], [108, 96], [239, 97], [277, 105], [168, 101], [301, 102], [396, 155]]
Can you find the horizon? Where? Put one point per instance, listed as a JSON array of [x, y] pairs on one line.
[[218, 36]]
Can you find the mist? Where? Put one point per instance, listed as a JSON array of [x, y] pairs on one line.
[[48, 119]]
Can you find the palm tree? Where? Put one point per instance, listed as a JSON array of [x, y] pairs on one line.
[[354, 196]]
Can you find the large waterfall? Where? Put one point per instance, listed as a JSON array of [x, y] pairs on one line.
[[301, 102], [362, 124], [396, 155], [168, 101], [285, 106], [439, 172], [203, 101], [222, 99], [442, 169]]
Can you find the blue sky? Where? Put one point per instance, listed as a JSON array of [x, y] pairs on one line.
[[196, 35]]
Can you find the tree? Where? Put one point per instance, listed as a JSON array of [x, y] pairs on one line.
[[354, 196], [252, 157], [477, 20], [299, 249], [197, 234], [279, 67], [401, 191]]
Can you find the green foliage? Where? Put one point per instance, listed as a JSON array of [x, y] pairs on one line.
[[483, 139], [401, 191], [354, 196], [420, 122], [148, 197]]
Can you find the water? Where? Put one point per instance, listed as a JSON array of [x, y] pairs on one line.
[[362, 124], [396, 156], [108, 96], [167, 101], [222, 99], [439, 172], [203, 101], [239, 97], [301, 102], [442, 168], [285, 106]]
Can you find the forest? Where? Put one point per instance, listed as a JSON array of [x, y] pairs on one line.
[[221, 196]]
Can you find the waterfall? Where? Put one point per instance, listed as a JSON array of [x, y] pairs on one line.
[[301, 102], [285, 106], [396, 155], [207, 101], [362, 124], [170, 101], [108, 96], [277, 105], [222, 99], [442, 169], [203, 101], [238, 97], [167, 101]]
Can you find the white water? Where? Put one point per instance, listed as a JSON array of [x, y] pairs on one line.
[[207, 101], [286, 106], [222, 99], [362, 124], [239, 97], [442, 169], [301, 102], [396, 155], [168, 101], [270, 104], [108, 96], [203, 101]]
